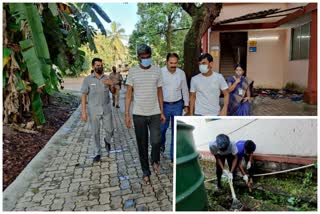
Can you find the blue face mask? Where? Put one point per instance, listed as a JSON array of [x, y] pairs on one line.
[[146, 62]]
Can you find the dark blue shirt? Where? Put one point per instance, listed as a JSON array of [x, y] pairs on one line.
[[240, 147]]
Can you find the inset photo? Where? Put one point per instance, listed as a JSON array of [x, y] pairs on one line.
[[261, 164]]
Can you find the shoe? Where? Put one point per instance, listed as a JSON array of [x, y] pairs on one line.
[[107, 145], [117, 106], [97, 158]]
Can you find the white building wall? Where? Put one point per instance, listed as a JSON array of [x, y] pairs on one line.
[[296, 137]]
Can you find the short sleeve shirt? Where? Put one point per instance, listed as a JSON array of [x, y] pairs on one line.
[[232, 149], [97, 94], [145, 85], [240, 147], [208, 91]]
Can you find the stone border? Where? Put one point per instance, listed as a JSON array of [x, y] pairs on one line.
[[18, 187]]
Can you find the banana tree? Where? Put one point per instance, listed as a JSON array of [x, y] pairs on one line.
[[40, 39]]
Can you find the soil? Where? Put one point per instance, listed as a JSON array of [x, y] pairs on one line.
[[19, 148]]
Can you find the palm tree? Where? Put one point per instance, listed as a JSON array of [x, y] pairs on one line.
[[116, 45]]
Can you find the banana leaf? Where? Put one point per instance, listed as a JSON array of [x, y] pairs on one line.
[[36, 105], [6, 56], [19, 85], [33, 62], [101, 13], [54, 9]]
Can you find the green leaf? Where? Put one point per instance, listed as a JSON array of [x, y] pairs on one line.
[[33, 62], [100, 12], [20, 86], [36, 105], [53, 8], [6, 56]]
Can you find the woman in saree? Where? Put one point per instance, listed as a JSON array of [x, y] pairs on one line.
[[239, 103]]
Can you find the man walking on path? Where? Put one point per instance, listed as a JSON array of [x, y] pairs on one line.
[[95, 91], [116, 79], [205, 90], [146, 83], [175, 95]]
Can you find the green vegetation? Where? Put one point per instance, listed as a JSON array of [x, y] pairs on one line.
[[41, 44]]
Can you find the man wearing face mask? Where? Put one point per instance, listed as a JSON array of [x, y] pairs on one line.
[[175, 95], [145, 82], [116, 79], [95, 91], [205, 90]]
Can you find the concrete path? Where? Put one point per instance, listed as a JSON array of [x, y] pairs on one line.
[[63, 177]]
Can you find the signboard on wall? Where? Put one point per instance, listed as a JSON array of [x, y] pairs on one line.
[[215, 51], [252, 49], [252, 46]]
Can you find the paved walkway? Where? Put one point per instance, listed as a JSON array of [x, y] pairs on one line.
[[265, 106], [68, 180]]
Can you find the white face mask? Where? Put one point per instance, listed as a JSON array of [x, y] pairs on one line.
[[203, 68]]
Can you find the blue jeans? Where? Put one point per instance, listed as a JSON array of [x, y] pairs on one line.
[[170, 110]]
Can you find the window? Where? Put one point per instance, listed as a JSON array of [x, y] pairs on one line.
[[300, 40]]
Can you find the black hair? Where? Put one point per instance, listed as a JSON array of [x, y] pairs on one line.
[[205, 56], [96, 60], [172, 55], [238, 65], [249, 146], [223, 142], [143, 49]]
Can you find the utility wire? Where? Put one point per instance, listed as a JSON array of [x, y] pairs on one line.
[[232, 131]]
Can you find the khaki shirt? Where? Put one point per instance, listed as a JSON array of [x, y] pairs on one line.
[[97, 95]]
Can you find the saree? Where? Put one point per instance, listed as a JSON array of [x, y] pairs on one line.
[[236, 105]]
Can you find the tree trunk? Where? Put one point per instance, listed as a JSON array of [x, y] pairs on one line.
[[202, 18], [168, 33]]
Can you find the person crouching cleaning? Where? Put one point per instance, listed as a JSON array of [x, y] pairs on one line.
[[246, 149], [222, 149]]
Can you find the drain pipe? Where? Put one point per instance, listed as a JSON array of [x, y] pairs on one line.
[[283, 171], [273, 173]]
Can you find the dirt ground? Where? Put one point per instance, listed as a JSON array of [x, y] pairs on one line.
[[294, 191], [19, 148]]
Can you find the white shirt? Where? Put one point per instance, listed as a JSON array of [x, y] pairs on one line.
[[145, 85], [174, 86], [207, 91]]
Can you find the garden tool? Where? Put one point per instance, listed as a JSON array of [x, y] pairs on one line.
[[236, 204]]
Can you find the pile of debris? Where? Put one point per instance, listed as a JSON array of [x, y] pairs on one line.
[[279, 94]]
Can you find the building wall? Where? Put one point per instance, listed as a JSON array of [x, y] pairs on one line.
[[270, 66], [296, 137], [266, 66], [297, 70], [214, 42]]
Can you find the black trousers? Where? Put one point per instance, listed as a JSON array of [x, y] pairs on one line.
[[142, 126], [229, 159]]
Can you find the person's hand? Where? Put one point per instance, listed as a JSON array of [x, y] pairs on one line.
[[238, 80], [84, 116], [246, 99], [246, 178], [230, 176], [249, 165], [223, 112], [162, 118], [226, 172], [108, 82], [128, 121]]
